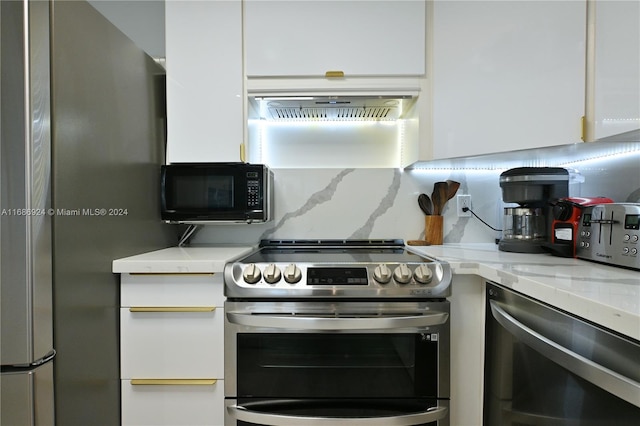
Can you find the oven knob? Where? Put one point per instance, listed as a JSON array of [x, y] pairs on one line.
[[272, 274], [402, 274], [423, 274], [382, 274], [292, 274], [251, 274]]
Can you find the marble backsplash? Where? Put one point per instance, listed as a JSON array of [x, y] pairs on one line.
[[382, 203]]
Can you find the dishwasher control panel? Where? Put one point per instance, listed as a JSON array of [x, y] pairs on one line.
[[610, 233]]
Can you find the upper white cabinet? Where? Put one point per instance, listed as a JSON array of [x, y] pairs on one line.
[[359, 38], [614, 106], [506, 75], [204, 80]]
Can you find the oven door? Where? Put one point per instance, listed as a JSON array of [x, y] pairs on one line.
[[329, 363], [546, 367]]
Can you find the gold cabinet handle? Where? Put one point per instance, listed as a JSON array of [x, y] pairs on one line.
[[172, 309], [174, 382], [334, 74], [175, 274]]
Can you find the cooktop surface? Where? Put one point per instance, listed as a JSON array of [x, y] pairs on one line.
[[333, 251]]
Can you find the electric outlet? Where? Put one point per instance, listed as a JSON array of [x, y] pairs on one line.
[[464, 201]]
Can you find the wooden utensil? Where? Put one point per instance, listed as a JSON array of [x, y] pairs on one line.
[[417, 243], [452, 188], [439, 197], [425, 204]]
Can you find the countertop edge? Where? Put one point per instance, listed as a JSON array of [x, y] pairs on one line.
[[604, 314], [181, 260]]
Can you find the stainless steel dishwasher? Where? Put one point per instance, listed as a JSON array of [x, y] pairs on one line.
[[546, 367]]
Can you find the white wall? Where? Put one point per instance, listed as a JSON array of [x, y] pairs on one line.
[[141, 20]]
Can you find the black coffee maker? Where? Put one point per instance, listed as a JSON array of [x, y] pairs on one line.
[[527, 227]]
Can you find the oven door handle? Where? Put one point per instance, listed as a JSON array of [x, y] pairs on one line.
[[294, 322], [601, 376], [241, 413]]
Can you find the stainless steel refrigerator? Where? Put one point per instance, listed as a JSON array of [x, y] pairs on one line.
[[83, 137]]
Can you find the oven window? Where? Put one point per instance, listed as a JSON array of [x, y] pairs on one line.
[[291, 365]]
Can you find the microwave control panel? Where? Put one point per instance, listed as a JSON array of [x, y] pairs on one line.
[[254, 193]]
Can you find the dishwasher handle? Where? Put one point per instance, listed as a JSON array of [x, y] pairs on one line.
[[601, 376], [299, 322], [241, 413]]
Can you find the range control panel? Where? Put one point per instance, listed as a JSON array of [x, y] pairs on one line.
[[429, 279], [610, 233]]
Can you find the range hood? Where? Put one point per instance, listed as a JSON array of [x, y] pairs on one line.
[[332, 108]]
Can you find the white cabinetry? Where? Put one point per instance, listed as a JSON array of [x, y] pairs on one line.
[[204, 80], [172, 357], [309, 38], [615, 68], [291, 46], [467, 349], [506, 75]]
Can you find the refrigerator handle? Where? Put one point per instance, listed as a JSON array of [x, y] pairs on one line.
[[29, 366]]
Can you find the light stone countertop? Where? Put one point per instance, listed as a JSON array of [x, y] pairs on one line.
[[205, 259], [605, 295]]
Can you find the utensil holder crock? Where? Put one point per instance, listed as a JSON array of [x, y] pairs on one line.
[[433, 229]]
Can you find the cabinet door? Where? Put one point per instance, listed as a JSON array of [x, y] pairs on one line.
[[204, 80], [507, 75], [616, 67], [173, 404], [172, 342], [309, 38]]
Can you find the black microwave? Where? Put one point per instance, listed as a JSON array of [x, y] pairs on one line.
[[216, 192]]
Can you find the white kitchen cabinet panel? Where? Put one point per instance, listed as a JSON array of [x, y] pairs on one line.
[[309, 38], [507, 75], [171, 290], [616, 67], [467, 349], [169, 345], [204, 80], [172, 404]]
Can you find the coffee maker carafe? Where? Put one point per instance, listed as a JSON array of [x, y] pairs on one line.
[[526, 228]]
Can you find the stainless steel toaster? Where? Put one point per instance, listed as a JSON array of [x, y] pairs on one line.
[[610, 233]]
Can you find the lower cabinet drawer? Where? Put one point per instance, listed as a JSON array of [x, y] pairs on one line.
[[174, 403], [171, 289], [178, 344]]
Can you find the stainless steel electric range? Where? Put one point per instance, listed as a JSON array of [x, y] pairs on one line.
[[337, 332]]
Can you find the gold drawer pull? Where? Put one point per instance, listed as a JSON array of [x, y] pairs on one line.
[[173, 382], [334, 74], [172, 309], [174, 274]]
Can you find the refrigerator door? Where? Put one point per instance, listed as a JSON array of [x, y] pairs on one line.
[[25, 226], [27, 397], [26, 382]]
